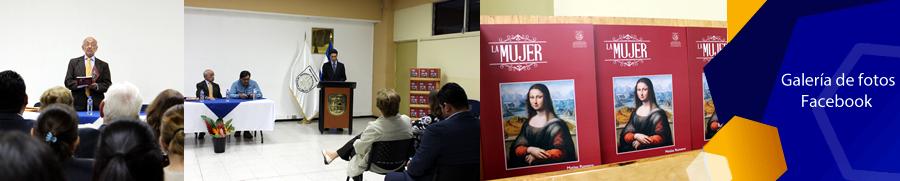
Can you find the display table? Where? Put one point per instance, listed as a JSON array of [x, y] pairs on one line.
[[248, 115], [83, 117]]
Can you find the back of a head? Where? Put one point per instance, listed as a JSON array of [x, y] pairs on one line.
[[57, 95], [454, 95], [12, 89], [57, 126], [123, 101], [24, 158], [388, 101], [127, 150], [165, 100], [172, 130]]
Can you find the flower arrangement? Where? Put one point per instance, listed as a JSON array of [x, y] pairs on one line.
[[218, 129]]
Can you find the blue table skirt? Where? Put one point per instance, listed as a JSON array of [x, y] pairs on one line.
[[221, 107], [84, 118]]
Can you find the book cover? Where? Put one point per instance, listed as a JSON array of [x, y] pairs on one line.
[[703, 45], [534, 80], [414, 73], [642, 90]]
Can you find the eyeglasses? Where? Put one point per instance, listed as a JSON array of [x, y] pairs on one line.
[[90, 44]]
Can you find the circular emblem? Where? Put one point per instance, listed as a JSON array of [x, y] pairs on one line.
[[675, 36], [579, 35], [305, 82]]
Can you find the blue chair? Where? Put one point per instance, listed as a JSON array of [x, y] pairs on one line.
[[37, 104], [475, 107], [143, 108]]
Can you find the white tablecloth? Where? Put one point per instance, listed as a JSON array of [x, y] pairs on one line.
[[248, 116]]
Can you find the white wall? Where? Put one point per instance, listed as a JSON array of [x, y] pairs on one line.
[[266, 44], [141, 40], [674, 9]]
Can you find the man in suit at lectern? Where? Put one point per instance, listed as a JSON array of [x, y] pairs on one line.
[[88, 65], [334, 70]]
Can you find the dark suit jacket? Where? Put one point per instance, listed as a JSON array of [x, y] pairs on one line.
[[329, 74], [14, 122], [76, 69], [202, 87], [454, 141], [88, 143], [78, 169]]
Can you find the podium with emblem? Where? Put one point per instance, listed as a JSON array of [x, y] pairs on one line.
[[336, 105]]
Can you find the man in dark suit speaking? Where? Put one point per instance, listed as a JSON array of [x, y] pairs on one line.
[[90, 66], [334, 70]]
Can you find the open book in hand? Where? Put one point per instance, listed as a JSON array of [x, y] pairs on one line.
[[84, 81]]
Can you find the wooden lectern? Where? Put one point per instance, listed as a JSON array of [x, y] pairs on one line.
[[336, 105]]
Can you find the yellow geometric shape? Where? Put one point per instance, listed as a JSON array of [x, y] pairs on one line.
[[709, 167], [753, 149], [739, 13]]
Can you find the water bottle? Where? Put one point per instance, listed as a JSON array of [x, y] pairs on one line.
[[227, 97], [90, 106], [254, 93], [202, 96]]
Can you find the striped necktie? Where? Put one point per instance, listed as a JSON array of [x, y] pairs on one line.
[[87, 71]]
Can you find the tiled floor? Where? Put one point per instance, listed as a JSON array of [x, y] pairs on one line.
[[292, 152]]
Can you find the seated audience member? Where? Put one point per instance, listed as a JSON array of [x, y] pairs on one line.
[[244, 89], [172, 141], [165, 100], [433, 117], [26, 158], [123, 101], [128, 151], [12, 103], [57, 126], [389, 127], [57, 95], [452, 141]]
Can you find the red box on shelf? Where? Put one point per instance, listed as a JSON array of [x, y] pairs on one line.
[[413, 86], [431, 86], [434, 73], [423, 100], [422, 86], [413, 100], [414, 72], [423, 73]]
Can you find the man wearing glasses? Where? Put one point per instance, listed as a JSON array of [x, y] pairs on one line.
[[88, 66], [244, 89]]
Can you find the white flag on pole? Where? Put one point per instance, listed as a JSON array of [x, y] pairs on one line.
[[304, 78]]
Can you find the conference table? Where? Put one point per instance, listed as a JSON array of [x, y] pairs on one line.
[[246, 114], [83, 117]]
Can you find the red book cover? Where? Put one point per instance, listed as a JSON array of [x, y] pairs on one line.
[[412, 113], [413, 86], [422, 86], [423, 100], [434, 73], [413, 100], [431, 86], [703, 45], [642, 90], [423, 73], [421, 112], [414, 72], [538, 95]]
